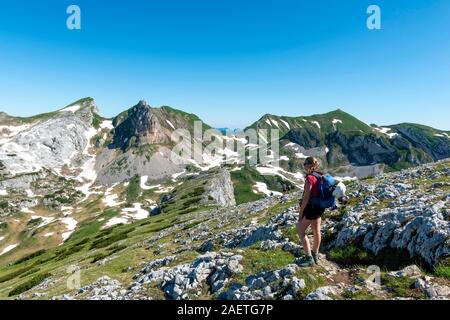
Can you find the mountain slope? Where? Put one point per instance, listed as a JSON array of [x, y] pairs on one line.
[[76, 186], [254, 245], [348, 146]]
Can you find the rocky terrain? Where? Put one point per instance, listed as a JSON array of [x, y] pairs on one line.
[[398, 222], [96, 208]]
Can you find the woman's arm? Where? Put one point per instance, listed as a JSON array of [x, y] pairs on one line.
[[306, 195]]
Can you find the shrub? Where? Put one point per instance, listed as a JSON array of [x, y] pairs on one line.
[[34, 270], [443, 269], [29, 257], [15, 274], [349, 255], [103, 255], [68, 252], [101, 243], [29, 284], [133, 189]]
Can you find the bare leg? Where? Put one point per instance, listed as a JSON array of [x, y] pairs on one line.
[[315, 225], [302, 226]]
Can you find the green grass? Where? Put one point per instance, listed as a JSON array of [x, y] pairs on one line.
[[362, 294], [256, 260], [29, 284], [96, 121], [92, 226], [349, 255], [443, 269], [133, 190], [243, 182], [401, 287], [312, 281], [33, 270], [291, 233], [245, 179]]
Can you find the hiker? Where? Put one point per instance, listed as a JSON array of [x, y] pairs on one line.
[[317, 196]]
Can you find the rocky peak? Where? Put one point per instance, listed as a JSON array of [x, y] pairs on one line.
[[138, 127]]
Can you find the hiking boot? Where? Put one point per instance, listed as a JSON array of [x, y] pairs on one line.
[[305, 261], [316, 258]]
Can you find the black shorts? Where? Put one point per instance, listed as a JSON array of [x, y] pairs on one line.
[[313, 212]]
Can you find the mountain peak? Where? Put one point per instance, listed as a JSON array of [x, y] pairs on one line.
[[143, 103]]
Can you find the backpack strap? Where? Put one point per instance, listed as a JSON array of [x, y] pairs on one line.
[[317, 175]]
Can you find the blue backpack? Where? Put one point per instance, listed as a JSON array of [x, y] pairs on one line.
[[326, 186]]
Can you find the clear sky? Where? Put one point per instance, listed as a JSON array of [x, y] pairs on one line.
[[230, 61]]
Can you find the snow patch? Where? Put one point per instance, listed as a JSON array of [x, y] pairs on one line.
[[261, 187], [71, 224], [127, 214], [106, 124], [275, 123], [116, 220], [26, 210], [49, 234], [316, 123], [3, 193], [345, 179], [144, 186], [8, 249], [336, 121], [386, 132], [66, 211], [286, 124], [442, 135], [176, 175], [165, 190], [170, 124], [73, 108], [88, 174], [136, 212], [13, 130], [110, 200], [271, 170], [300, 155]]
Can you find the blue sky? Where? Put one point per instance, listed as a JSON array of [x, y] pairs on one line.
[[230, 61]]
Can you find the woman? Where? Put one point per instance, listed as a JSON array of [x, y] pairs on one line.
[[310, 215]]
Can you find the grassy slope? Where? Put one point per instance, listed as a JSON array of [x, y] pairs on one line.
[[246, 178], [349, 123], [127, 246], [11, 120]]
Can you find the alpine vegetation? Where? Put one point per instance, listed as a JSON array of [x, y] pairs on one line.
[[156, 204]]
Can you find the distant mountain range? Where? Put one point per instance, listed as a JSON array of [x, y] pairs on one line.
[[124, 145]]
